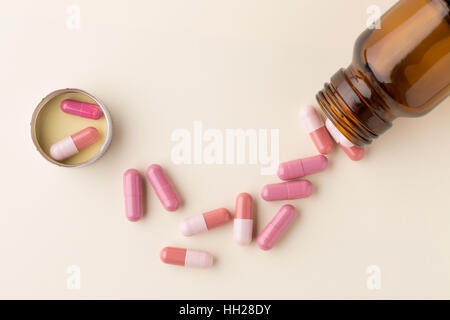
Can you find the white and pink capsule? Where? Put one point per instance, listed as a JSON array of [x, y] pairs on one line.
[[243, 219], [315, 126], [73, 144], [186, 257], [204, 222]]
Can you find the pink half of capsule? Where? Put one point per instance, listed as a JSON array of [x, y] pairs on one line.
[[315, 126], [243, 219], [276, 227], [186, 257], [132, 189], [355, 153], [287, 190], [302, 167], [204, 222], [164, 189], [73, 144], [82, 109]]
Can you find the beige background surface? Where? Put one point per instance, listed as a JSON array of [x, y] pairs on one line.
[[160, 65]]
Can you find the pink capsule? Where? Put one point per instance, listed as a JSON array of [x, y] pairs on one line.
[[73, 144], [186, 257], [82, 109], [163, 188], [355, 153], [276, 227], [302, 167], [243, 219], [316, 128], [287, 190], [204, 222], [132, 189]]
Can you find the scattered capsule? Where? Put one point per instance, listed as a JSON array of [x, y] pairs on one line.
[[163, 188], [316, 128], [243, 219], [73, 144], [132, 189], [276, 227], [186, 257], [355, 153], [204, 222], [82, 109], [302, 167], [287, 190]]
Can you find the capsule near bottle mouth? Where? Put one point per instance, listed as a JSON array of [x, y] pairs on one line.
[[51, 123]]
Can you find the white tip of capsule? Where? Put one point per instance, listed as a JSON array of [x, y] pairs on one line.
[[337, 135], [310, 118], [243, 231], [306, 112], [193, 225], [185, 229], [198, 259], [63, 149]]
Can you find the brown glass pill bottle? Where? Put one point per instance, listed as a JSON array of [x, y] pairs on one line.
[[399, 70]]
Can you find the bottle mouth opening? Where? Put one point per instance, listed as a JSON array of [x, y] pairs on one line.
[[338, 119], [359, 117]]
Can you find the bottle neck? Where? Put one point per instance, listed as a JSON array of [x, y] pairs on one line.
[[354, 106]]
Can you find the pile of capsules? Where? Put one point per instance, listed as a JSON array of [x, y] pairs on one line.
[[243, 218], [73, 144], [291, 189]]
